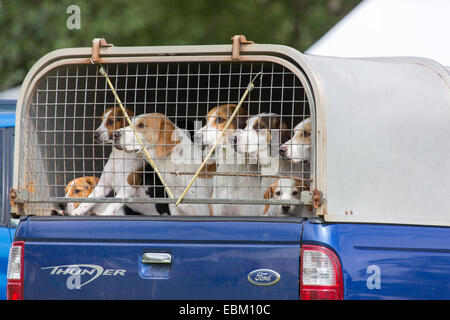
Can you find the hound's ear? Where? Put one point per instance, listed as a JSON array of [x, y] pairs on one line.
[[121, 118], [129, 112], [275, 122], [240, 120], [308, 125], [120, 112], [135, 178], [272, 122], [269, 193], [92, 180], [164, 143]]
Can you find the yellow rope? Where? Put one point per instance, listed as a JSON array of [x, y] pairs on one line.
[[249, 88], [149, 159]]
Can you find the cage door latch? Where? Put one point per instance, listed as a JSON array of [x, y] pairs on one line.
[[98, 43], [18, 196], [236, 47]]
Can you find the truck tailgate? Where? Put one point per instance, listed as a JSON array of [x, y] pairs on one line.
[[157, 258]]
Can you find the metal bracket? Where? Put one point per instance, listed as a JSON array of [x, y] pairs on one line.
[[16, 201], [17, 196], [306, 197], [317, 198], [98, 43], [236, 47], [12, 197]]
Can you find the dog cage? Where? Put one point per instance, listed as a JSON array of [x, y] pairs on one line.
[[68, 101]]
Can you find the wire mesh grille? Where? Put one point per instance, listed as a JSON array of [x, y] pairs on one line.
[[172, 101]]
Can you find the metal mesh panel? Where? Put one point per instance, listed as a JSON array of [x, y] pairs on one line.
[[70, 103]]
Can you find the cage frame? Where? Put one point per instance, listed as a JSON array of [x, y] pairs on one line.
[[275, 54]]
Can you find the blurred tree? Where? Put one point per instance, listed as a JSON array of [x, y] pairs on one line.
[[31, 28]]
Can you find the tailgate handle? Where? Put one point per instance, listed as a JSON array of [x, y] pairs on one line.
[[156, 257]]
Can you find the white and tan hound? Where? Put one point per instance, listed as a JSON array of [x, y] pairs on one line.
[[286, 189], [231, 168], [263, 133], [80, 187], [298, 148], [122, 172], [173, 152]]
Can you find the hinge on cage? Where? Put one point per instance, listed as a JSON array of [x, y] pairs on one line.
[[314, 198], [98, 43], [17, 196], [236, 47], [17, 199], [12, 197]]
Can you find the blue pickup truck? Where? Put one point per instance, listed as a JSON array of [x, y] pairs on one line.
[[7, 226], [220, 258], [375, 186]]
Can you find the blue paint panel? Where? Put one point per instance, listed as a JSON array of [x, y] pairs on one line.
[[5, 243], [210, 259], [7, 113], [7, 120], [414, 261], [149, 229]]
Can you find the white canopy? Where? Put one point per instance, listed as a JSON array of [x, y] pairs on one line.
[[381, 28]]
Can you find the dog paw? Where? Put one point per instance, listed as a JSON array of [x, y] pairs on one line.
[[57, 212]]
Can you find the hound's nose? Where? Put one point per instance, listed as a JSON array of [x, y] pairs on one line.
[[283, 151], [286, 208], [116, 135], [198, 138], [233, 139], [96, 134]]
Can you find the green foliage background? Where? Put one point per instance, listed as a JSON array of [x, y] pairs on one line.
[[31, 28]]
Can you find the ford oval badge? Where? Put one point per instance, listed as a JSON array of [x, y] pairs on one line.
[[263, 277]]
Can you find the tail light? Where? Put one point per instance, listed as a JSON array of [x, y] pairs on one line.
[[14, 286], [320, 274]]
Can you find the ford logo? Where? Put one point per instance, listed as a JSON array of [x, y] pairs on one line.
[[263, 277]]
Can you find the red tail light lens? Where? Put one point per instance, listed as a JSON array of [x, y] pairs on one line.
[[14, 286], [320, 274]]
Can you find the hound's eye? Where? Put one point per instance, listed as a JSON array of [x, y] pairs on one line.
[[140, 125], [306, 134], [220, 120], [294, 193], [277, 193], [110, 122], [77, 190]]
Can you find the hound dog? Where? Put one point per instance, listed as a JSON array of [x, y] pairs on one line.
[[80, 187], [258, 138], [298, 149], [122, 172], [286, 189], [260, 141], [171, 149], [229, 186]]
